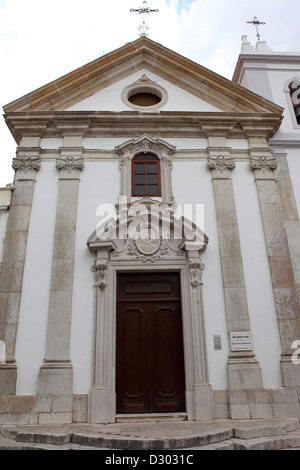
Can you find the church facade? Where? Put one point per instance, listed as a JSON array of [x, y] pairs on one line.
[[151, 243]]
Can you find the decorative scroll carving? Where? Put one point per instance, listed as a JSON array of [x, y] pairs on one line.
[[100, 269], [26, 164], [263, 163], [221, 165], [196, 269], [70, 164]]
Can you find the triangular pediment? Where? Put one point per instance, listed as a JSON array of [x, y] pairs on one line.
[[143, 56], [172, 97]]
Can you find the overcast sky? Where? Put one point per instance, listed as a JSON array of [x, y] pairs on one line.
[[41, 40]]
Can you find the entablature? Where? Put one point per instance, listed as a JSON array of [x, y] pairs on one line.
[[133, 124]]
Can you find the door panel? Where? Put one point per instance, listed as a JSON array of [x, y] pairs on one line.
[[132, 387], [167, 358], [150, 365]]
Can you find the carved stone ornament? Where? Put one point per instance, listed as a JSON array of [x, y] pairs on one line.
[[148, 249], [196, 269], [100, 272], [221, 164], [26, 164], [70, 164], [263, 163], [145, 146]]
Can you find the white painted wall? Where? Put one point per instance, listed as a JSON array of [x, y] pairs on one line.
[[31, 339], [268, 80], [109, 99], [100, 184], [294, 167], [192, 185], [262, 312]]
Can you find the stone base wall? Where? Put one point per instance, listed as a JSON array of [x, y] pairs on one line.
[[257, 403], [236, 404], [47, 409]]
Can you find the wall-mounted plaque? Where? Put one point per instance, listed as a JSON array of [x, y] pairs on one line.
[[240, 341]]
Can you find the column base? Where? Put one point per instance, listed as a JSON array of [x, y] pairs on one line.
[[8, 379], [244, 376], [200, 403], [55, 378], [101, 406], [244, 372], [290, 371]]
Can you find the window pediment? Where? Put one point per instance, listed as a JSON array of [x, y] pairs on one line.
[[146, 148]]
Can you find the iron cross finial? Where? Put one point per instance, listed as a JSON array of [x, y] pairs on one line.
[[256, 23], [143, 28]]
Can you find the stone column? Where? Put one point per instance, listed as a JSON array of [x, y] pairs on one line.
[[243, 369], [281, 268], [56, 374], [101, 407], [202, 395], [26, 164]]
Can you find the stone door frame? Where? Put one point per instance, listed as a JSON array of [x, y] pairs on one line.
[[111, 259]]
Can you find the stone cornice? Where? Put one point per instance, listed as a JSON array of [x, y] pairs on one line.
[[262, 61], [141, 54], [132, 124]]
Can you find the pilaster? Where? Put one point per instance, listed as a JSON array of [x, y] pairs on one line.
[[56, 374], [243, 368], [264, 165], [101, 405], [203, 403], [26, 164]]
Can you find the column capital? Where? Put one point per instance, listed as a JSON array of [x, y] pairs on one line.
[[196, 267], [26, 164], [263, 167], [221, 166], [100, 268], [69, 164]]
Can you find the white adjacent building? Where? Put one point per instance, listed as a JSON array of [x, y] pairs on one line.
[[150, 262]]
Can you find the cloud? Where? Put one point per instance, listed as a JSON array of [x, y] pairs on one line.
[[41, 40], [181, 4]]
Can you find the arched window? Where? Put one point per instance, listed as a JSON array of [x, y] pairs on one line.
[[294, 88], [146, 175]]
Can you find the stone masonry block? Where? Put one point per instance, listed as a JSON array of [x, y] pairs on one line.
[[239, 411], [55, 418], [261, 411]]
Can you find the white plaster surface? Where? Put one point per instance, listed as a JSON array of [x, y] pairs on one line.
[[109, 99], [192, 185], [262, 313], [31, 339]]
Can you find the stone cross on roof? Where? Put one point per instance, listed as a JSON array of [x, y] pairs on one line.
[[256, 23], [144, 10]]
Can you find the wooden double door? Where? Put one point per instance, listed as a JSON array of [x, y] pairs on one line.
[[149, 344]]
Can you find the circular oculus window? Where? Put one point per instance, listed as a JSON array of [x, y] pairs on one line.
[[147, 97]]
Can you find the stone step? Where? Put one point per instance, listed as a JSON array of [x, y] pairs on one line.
[[217, 435], [156, 436]]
